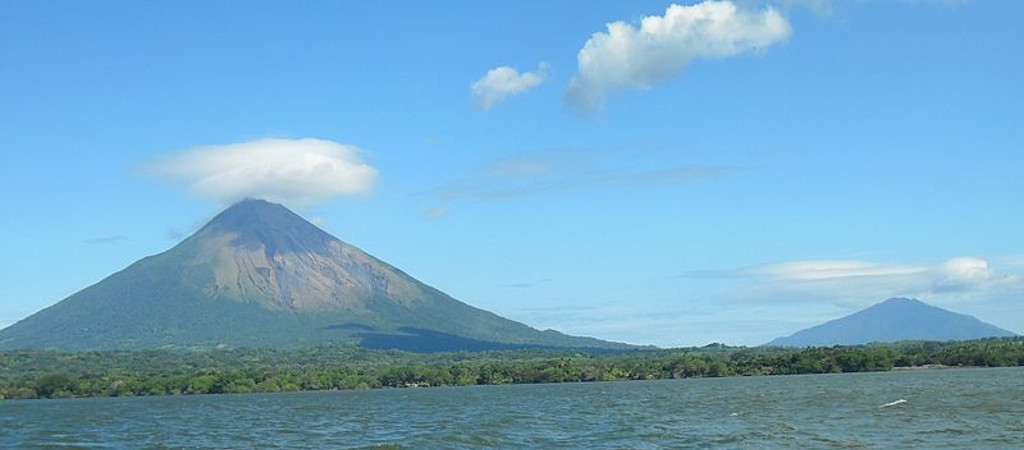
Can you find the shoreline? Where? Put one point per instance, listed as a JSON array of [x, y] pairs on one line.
[[930, 367]]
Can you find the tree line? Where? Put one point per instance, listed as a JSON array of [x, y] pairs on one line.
[[28, 374]]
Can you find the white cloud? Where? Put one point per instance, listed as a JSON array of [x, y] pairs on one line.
[[627, 57], [290, 171], [830, 270], [967, 270], [859, 283], [966, 274], [503, 82]]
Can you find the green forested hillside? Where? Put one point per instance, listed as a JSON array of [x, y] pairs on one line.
[[48, 374]]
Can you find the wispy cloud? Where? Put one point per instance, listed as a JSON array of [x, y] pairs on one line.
[[434, 212], [821, 8], [107, 240], [831, 270], [661, 47], [290, 171], [561, 171], [825, 8], [500, 83], [940, 2], [1013, 260], [849, 282], [525, 284]]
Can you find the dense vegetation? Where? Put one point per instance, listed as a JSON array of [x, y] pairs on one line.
[[47, 374]]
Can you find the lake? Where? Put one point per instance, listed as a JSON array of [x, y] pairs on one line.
[[957, 408]]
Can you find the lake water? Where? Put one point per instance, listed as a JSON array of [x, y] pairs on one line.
[[966, 408]]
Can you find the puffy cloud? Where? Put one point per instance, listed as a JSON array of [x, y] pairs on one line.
[[968, 270], [968, 274], [503, 82], [290, 171], [629, 57]]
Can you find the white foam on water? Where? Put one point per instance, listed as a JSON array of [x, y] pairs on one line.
[[897, 402]]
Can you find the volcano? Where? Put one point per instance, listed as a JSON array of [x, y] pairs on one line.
[[896, 319], [258, 275]]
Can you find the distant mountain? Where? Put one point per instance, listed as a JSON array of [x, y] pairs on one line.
[[896, 319], [258, 275]]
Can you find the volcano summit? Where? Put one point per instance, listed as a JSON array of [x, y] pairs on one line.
[[258, 275]]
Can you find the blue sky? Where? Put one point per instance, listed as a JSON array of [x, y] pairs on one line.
[[661, 180]]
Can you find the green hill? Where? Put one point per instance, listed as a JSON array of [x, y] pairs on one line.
[[258, 275]]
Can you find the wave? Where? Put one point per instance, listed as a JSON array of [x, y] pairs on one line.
[[897, 402]]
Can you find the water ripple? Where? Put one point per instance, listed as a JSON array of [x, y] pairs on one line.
[[944, 409]]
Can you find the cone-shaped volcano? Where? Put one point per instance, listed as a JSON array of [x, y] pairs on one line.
[[258, 275], [896, 319]]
